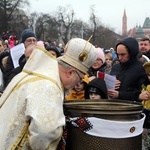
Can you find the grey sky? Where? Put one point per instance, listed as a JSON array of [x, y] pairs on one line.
[[110, 12]]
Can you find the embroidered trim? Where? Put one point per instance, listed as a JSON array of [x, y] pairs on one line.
[[82, 123], [62, 142], [41, 76], [21, 138], [29, 80]]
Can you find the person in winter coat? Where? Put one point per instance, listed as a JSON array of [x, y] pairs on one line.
[[145, 94], [77, 93], [129, 71], [109, 61], [144, 46], [28, 37], [99, 63], [96, 89], [22, 62], [53, 50], [145, 98], [3, 54]]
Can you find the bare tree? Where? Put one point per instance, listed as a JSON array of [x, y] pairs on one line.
[[106, 37], [64, 18], [8, 9], [77, 29], [32, 20], [93, 20], [46, 27]]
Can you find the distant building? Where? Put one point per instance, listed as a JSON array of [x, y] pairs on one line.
[[136, 32], [139, 33], [124, 24]]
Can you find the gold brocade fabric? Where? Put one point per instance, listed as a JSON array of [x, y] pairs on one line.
[[33, 97]]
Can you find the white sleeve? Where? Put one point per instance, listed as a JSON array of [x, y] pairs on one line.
[[45, 111]]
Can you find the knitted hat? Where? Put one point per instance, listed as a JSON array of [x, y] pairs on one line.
[[147, 67], [40, 43], [101, 54], [80, 54], [55, 49], [26, 34]]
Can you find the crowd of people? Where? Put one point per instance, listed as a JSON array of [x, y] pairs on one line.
[[47, 75]]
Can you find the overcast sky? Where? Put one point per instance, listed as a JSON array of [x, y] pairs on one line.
[[110, 12]]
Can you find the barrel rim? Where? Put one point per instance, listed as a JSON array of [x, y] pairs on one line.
[[102, 105]]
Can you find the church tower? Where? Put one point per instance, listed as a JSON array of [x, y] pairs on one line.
[[124, 24]]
